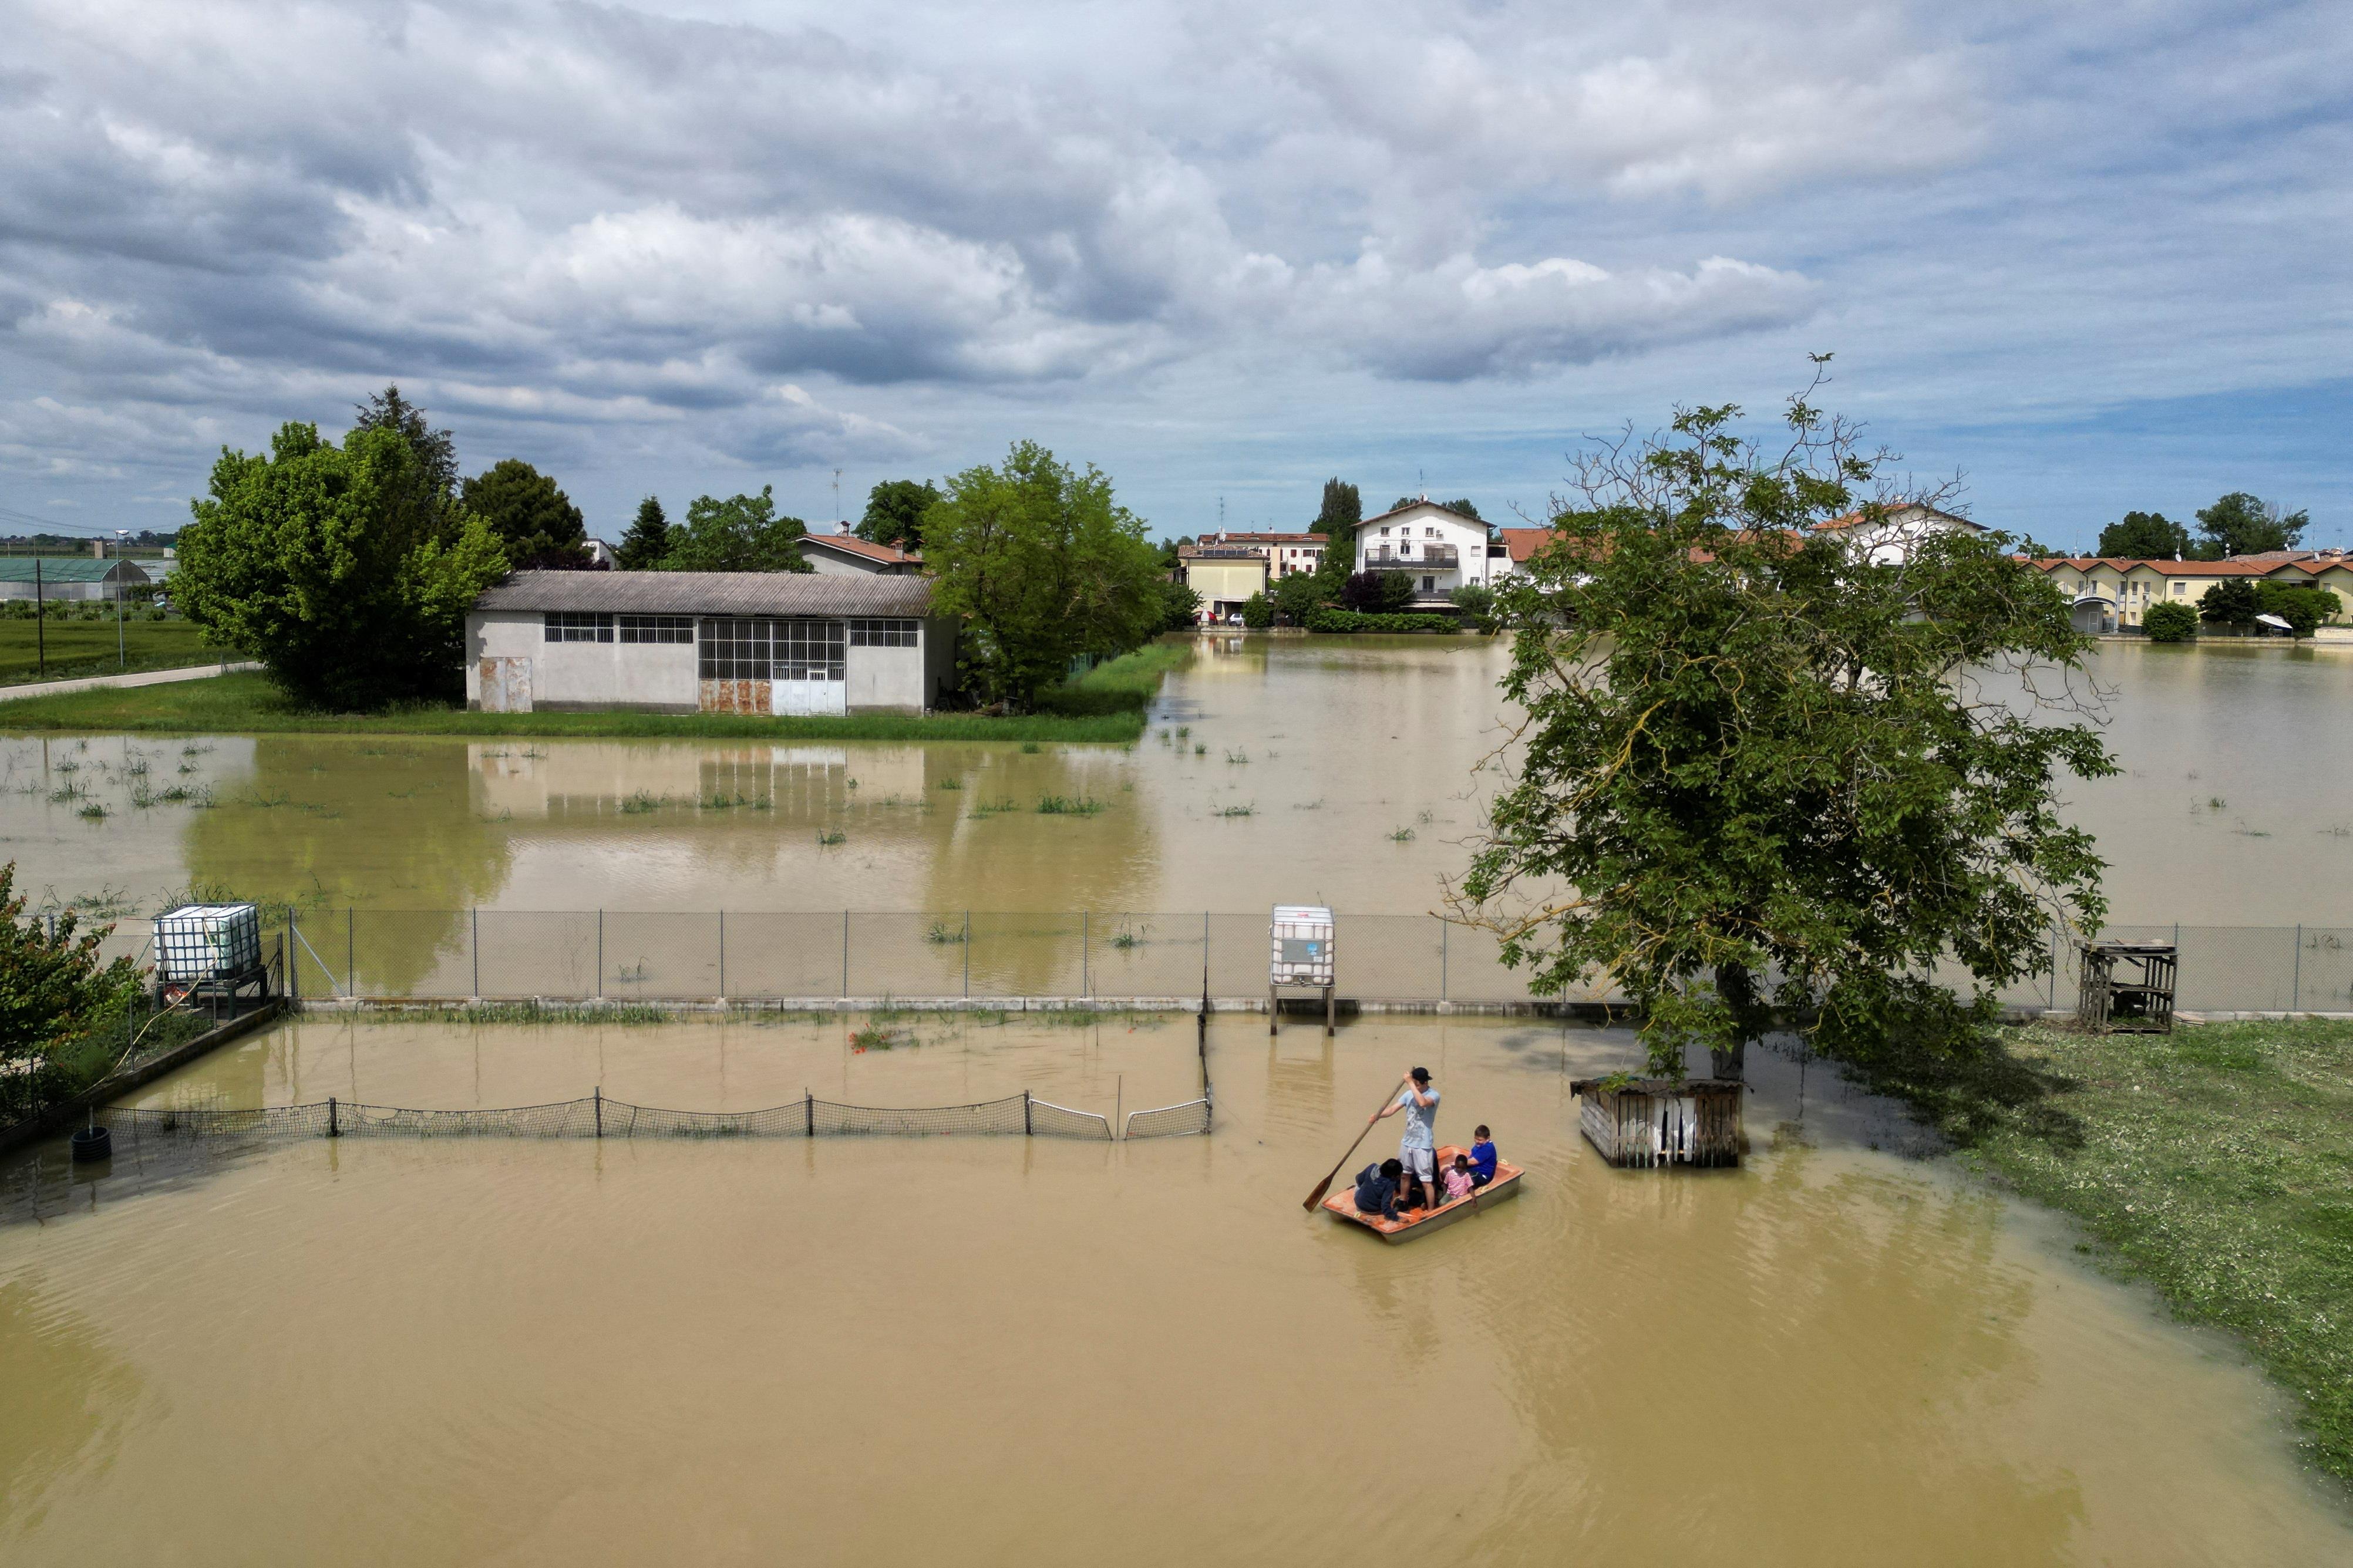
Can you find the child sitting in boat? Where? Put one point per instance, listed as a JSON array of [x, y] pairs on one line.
[[1483, 1158], [1457, 1178], [1377, 1189]]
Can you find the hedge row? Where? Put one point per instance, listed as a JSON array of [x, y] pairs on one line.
[[1330, 620]]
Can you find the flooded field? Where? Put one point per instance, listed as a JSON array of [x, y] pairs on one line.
[[1007, 1350], [1276, 769]]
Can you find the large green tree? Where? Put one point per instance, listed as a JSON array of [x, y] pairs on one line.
[[534, 522], [1337, 519], [1764, 780], [431, 485], [337, 567], [647, 540], [2243, 524], [894, 512], [742, 533], [1463, 506], [2144, 536], [1043, 564]]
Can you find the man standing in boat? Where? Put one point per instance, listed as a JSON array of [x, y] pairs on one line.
[[1419, 1148]]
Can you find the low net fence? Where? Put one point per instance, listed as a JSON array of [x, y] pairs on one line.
[[1170, 1121], [599, 1115]]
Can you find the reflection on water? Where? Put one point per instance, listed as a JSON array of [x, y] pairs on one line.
[[996, 1350], [1307, 770]]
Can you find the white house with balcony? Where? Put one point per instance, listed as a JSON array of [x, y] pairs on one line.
[[1438, 551]]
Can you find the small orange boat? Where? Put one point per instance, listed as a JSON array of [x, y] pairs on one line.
[[1411, 1223]]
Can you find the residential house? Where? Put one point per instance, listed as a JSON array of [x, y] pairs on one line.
[[1887, 534], [2111, 593], [847, 556], [1224, 575], [1440, 551], [715, 642], [1287, 554]]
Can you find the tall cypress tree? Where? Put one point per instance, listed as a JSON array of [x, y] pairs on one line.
[[647, 542], [1343, 509]]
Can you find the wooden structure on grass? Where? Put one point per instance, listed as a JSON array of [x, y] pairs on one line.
[[2127, 987], [1647, 1123]]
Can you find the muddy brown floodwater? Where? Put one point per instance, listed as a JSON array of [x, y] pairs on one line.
[[1276, 770], [1011, 1351]]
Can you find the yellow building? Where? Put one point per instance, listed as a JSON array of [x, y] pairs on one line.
[[1223, 574], [2110, 592]]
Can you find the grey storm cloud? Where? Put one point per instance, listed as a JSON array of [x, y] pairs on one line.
[[779, 235]]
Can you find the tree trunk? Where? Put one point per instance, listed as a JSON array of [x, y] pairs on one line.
[[1737, 986]]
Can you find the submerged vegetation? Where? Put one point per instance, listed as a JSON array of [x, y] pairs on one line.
[[2212, 1164]]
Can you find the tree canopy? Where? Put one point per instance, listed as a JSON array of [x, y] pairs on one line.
[[53, 985], [2243, 524], [647, 540], [2145, 536], [1761, 778], [1337, 519], [742, 533], [340, 568], [536, 525], [433, 483], [894, 512], [1044, 563]]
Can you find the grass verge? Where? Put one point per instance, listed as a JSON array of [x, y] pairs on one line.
[[1124, 685], [2215, 1164], [249, 704], [78, 648]]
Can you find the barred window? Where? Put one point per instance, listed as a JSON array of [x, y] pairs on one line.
[[882, 634], [578, 626], [658, 629], [736, 647]]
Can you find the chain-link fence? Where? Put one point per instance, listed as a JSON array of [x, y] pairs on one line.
[[1016, 1115], [1110, 956]]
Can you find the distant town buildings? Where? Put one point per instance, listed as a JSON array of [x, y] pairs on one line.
[[1226, 568], [2112, 594]]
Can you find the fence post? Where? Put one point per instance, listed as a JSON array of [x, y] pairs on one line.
[[600, 952], [350, 951], [476, 943], [2054, 967], [601, 1111], [293, 964], [967, 955], [808, 1113], [1025, 1114], [722, 956], [2295, 987], [845, 954], [333, 1130], [1086, 982]]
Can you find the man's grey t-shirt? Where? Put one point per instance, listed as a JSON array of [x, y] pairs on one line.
[[1420, 1121]]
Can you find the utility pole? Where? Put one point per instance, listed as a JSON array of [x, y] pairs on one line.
[[121, 654]]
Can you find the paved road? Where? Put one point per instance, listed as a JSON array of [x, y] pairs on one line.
[[136, 677]]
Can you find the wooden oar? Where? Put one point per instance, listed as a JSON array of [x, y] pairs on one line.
[[1325, 1185]]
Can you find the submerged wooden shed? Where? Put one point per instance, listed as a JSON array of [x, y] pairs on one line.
[[1648, 1122]]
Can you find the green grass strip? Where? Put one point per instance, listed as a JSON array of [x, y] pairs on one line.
[[249, 704], [2215, 1164]]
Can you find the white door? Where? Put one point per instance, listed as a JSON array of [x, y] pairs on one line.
[[800, 698], [506, 685]]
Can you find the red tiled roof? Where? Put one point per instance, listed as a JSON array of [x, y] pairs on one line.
[[1521, 543], [1231, 537], [2162, 568], [1894, 513], [849, 543]]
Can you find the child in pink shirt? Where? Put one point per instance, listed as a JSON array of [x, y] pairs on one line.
[[1457, 1178]]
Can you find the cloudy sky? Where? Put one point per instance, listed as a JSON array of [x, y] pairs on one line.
[[2092, 258]]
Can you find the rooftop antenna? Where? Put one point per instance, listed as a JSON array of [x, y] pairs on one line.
[[836, 497]]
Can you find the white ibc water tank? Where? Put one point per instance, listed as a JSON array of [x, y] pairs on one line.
[[1302, 945], [204, 941]]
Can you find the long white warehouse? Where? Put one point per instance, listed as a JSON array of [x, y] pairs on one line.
[[711, 642]]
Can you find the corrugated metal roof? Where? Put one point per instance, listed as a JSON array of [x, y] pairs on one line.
[[713, 593], [64, 569]]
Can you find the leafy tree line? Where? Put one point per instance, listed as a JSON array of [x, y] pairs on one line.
[[62, 1009], [347, 568], [2237, 524]]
